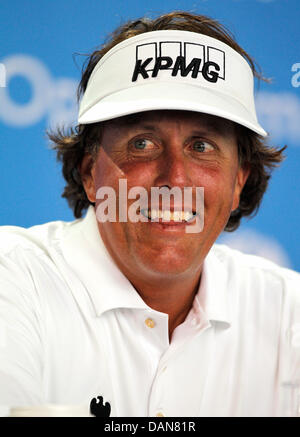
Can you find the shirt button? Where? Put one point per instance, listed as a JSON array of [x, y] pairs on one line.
[[150, 323], [159, 414]]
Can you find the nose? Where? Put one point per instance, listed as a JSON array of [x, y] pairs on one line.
[[173, 170]]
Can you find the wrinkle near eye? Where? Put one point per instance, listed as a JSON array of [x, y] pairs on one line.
[[118, 156]]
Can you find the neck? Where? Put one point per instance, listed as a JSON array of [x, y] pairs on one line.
[[173, 297], [172, 294]]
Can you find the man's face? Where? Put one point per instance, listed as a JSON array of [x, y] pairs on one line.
[[173, 149]]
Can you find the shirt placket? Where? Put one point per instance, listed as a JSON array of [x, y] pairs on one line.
[[158, 398]]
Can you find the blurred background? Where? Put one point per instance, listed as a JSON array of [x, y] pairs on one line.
[[40, 67]]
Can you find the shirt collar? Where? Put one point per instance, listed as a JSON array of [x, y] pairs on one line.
[[213, 296], [108, 288], [86, 254]]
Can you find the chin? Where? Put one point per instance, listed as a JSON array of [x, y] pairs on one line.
[[165, 266]]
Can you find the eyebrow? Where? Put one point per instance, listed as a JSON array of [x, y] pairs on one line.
[[196, 130], [210, 124], [146, 126]]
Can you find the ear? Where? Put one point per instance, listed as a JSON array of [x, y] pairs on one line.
[[241, 179], [86, 170]]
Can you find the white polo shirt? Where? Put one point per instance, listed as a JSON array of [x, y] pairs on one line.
[[72, 327]]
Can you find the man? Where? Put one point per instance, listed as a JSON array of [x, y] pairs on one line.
[[134, 306]]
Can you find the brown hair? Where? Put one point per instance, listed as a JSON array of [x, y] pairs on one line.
[[253, 149]]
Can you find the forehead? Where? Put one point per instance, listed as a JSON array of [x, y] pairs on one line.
[[183, 118]]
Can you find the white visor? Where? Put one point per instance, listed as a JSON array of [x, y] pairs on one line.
[[171, 69]]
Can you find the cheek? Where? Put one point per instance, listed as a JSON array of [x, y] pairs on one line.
[[207, 176], [141, 174], [105, 171], [218, 182], [107, 174]]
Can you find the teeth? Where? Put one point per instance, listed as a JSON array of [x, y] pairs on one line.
[[167, 215], [188, 215], [176, 216], [154, 214], [145, 213]]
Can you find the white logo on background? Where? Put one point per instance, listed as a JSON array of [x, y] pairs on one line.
[[279, 114], [295, 81], [2, 76], [54, 99]]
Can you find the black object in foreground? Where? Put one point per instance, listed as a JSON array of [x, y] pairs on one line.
[[98, 409]]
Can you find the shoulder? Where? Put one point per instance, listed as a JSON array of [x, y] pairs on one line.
[[253, 263], [260, 290], [24, 252], [257, 271], [36, 238]]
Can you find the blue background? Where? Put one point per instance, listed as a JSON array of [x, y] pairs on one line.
[[47, 34]]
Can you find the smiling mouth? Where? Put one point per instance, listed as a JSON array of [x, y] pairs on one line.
[[163, 216]]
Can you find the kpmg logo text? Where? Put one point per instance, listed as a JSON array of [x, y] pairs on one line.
[[179, 58]]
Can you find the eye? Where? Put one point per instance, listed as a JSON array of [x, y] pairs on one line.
[[202, 146], [143, 144]]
